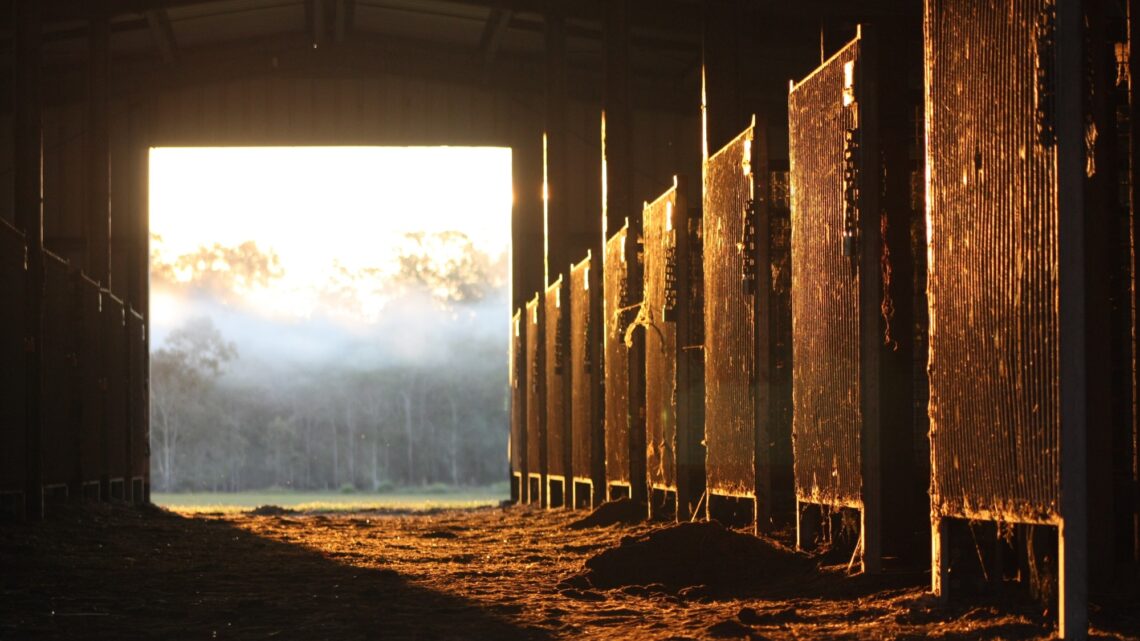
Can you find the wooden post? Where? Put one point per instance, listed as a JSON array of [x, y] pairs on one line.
[[1073, 528], [28, 179], [98, 232]]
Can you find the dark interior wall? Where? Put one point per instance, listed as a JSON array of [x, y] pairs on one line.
[[381, 110]]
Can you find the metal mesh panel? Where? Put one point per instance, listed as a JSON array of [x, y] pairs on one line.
[[992, 279], [730, 411], [13, 279], [827, 422], [585, 415], [557, 378], [660, 344], [617, 318], [535, 392], [60, 375], [518, 394], [116, 360], [138, 396]]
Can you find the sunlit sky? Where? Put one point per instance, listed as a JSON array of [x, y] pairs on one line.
[[316, 206]]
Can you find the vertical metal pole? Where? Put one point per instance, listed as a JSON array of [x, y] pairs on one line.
[[1073, 529], [1134, 154], [870, 295], [557, 255], [98, 234], [28, 178], [617, 149]]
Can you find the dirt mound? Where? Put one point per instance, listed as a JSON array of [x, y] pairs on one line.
[[271, 510], [621, 511], [696, 554]]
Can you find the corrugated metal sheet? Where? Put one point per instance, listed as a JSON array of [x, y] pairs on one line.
[[588, 423], [138, 398], [558, 441], [618, 316], [825, 292], [13, 277], [993, 271], [535, 390], [91, 380], [61, 376], [116, 359], [660, 251], [730, 347], [517, 381]]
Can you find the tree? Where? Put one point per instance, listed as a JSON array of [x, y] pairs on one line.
[[183, 374]]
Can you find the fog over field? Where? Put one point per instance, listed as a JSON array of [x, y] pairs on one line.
[[283, 360]]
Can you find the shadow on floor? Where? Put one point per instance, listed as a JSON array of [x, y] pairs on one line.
[[104, 572]]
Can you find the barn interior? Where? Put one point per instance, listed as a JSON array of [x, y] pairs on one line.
[[628, 121]]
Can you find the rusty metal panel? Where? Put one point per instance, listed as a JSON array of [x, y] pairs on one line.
[[730, 318], [659, 311], [116, 360], [557, 374], [587, 421], [993, 270], [618, 316], [138, 397], [13, 285], [825, 293], [517, 364], [60, 373], [535, 390]]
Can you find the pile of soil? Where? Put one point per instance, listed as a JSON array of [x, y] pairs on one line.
[[619, 512], [696, 554], [271, 510]]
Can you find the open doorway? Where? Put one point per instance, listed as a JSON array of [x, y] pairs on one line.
[[328, 324]]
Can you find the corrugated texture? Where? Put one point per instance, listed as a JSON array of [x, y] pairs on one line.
[[730, 410], [12, 385], [116, 359], [660, 345], [587, 422], [92, 379], [992, 279], [139, 397], [827, 421], [558, 440], [517, 364], [617, 318], [535, 390], [60, 374]]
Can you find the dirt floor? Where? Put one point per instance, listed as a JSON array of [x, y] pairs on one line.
[[497, 573]]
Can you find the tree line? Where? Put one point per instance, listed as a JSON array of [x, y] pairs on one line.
[[220, 424]]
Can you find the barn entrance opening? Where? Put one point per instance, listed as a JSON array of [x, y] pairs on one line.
[[328, 324]]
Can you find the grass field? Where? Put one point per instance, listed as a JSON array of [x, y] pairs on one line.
[[404, 499]]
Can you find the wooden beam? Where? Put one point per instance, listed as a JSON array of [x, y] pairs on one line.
[[28, 179], [159, 24], [493, 30]]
